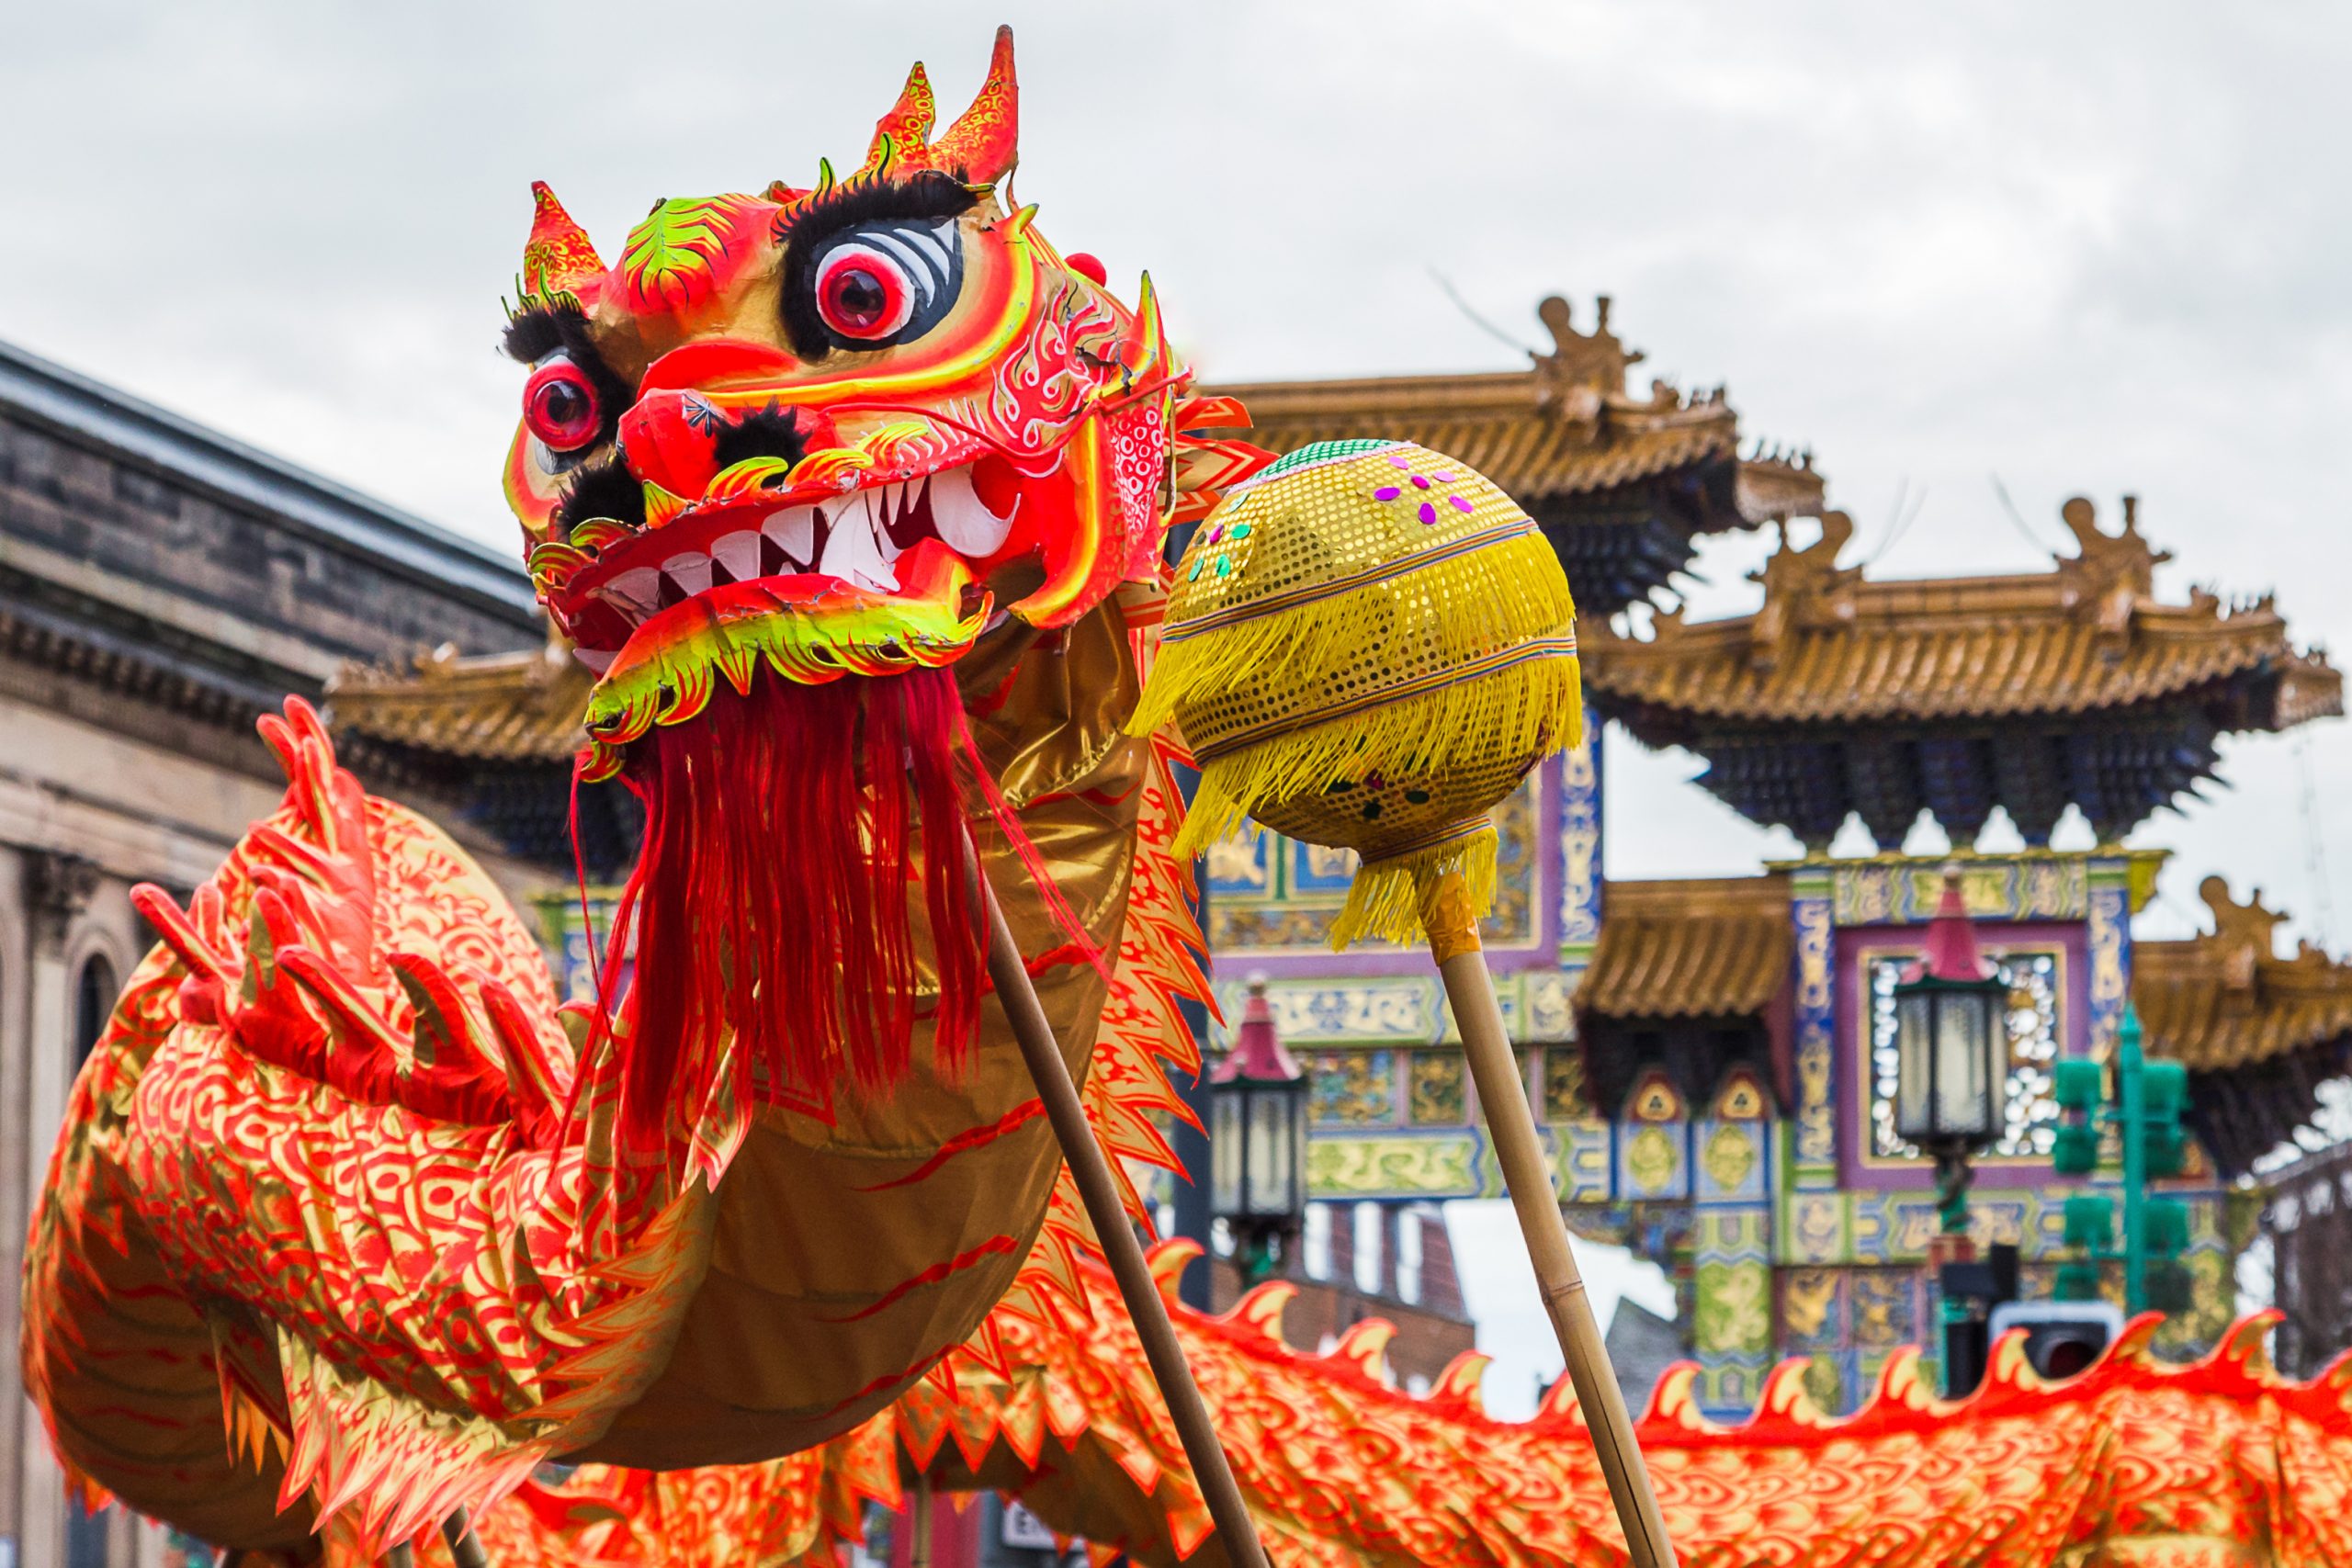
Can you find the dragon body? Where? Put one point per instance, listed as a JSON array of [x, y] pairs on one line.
[[852, 496], [2220, 1464]]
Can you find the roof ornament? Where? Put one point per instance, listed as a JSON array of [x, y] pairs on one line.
[[2244, 934], [2113, 573], [1803, 589], [1594, 362]]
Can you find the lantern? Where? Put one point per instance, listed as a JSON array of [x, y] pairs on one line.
[[1951, 1050], [1257, 1137]]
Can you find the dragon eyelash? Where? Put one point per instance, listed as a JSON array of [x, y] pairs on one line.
[[858, 199]]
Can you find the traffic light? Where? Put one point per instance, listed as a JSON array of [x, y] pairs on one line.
[[2091, 1221], [2163, 1095], [2062, 1337], [2080, 1085], [2147, 1104]]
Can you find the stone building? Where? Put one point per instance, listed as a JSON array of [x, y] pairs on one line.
[[160, 586]]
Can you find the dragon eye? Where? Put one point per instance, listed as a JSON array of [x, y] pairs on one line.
[[883, 281], [560, 406], [863, 294]]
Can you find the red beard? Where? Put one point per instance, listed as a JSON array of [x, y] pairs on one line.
[[787, 835]]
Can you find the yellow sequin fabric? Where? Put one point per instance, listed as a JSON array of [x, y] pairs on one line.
[[1368, 645]]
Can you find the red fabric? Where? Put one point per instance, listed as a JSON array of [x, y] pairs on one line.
[[807, 953]]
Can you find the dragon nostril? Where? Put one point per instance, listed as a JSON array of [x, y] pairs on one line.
[[772, 432]]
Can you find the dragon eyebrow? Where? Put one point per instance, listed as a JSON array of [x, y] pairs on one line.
[[539, 329], [930, 194]]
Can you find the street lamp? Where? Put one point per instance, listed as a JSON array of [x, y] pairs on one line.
[[1258, 1140], [1951, 1053], [1951, 1071]]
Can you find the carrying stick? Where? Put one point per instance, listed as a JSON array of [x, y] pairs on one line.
[[1493, 1067], [465, 1547], [1091, 1170]]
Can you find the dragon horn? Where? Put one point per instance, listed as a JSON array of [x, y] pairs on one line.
[[909, 122], [980, 147], [558, 257]]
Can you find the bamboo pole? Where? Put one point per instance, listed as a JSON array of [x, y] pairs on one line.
[[919, 1521], [1502, 1094], [1091, 1170]]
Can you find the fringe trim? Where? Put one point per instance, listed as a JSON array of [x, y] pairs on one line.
[[1527, 710], [1384, 900], [1514, 580]]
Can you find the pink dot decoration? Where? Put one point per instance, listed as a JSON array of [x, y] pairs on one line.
[[1395, 461], [1459, 503], [1386, 492], [1429, 512], [1420, 481]]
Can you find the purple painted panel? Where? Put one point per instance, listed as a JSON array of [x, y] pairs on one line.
[[1855, 946]]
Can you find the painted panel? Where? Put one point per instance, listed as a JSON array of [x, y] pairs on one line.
[[1731, 1160], [1352, 1089], [1422, 1166], [1582, 1161], [1272, 899], [1654, 1161], [1580, 820], [1815, 1144], [2107, 936]]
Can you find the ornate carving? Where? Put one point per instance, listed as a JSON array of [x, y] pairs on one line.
[[2244, 935], [2111, 573], [1594, 361], [57, 886], [1805, 590]]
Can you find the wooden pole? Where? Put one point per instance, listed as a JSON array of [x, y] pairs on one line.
[[1091, 1170], [465, 1547], [919, 1521], [1493, 1067]]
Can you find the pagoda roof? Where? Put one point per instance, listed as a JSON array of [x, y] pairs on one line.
[[2257, 1032], [506, 707], [1571, 444], [1710, 947], [1830, 645], [1907, 677]]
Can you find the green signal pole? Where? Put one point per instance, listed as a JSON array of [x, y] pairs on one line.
[[2127, 1063]]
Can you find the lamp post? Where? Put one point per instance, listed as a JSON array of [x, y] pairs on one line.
[[1257, 1141], [1951, 1067]]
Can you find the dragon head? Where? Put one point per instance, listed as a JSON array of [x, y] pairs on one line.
[[841, 430]]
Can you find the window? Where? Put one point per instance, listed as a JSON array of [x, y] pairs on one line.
[[1408, 1258], [2031, 1118], [1370, 1221], [1317, 1241], [93, 1001]]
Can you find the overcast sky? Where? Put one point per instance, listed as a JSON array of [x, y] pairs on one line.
[[2091, 248]]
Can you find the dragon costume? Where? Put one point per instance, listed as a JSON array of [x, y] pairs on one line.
[[852, 496]]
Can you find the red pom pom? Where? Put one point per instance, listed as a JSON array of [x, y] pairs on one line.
[[1088, 267]]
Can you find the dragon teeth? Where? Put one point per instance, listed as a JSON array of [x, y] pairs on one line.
[[962, 523], [690, 573], [793, 532], [856, 550], [739, 554]]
